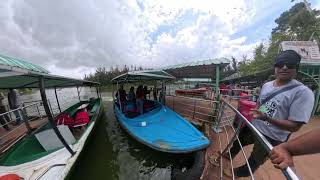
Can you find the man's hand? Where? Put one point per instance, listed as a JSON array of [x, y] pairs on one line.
[[281, 157], [257, 114]]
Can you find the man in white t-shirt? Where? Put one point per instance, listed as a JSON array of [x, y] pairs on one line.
[[279, 116]]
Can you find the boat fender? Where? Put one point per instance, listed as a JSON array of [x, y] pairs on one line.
[[194, 172], [10, 177]]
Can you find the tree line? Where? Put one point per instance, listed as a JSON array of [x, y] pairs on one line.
[[104, 75]]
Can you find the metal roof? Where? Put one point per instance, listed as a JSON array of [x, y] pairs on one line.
[[257, 77], [136, 76], [198, 69], [16, 73], [18, 63]]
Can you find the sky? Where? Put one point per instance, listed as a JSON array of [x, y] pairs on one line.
[[73, 37]]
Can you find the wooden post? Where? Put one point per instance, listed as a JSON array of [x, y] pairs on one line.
[[217, 81]]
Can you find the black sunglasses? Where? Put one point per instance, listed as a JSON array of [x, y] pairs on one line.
[[289, 66]]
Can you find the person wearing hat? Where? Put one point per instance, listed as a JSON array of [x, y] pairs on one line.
[[285, 104]]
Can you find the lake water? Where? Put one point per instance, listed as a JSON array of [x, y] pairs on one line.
[[112, 154]]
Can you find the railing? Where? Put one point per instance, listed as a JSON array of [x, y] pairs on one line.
[[225, 120], [192, 108], [25, 118], [50, 167]]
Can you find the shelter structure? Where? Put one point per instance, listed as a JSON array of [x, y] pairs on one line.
[[210, 68], [18, 74], [138, 76]]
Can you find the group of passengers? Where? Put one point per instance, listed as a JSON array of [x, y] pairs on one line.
[[127, 101]]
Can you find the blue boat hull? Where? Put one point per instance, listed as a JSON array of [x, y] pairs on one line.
[[164, 130]]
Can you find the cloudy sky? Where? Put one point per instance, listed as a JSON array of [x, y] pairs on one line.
[[74, 37]]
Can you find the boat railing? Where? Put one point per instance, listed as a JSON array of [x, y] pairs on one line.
[[195, 109], [226, 125], [9, 118], [47, 170]]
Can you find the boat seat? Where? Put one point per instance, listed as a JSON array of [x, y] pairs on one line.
[[49, 140]]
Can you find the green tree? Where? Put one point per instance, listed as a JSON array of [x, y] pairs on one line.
[[295, 24]]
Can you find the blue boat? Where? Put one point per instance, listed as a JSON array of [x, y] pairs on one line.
[[159, 127]]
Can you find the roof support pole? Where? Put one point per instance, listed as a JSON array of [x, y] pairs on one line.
[[55, 92], [163, 93], [217, 81], [49, 115], [97, 89], [118, 98], [78, 93]]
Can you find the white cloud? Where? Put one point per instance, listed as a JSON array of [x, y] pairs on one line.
[[72, 38]]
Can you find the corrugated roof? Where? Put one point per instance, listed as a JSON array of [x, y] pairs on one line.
[[199, 63], [17, 73], [198, 69], [19, 63], [136, 76]]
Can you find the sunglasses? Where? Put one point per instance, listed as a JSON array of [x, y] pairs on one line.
[[289, 66]]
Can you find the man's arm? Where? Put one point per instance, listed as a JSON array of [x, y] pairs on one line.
[[288, 125], [308, 143]]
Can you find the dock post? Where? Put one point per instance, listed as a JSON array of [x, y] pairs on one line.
[[216, 126], [25, 120], [217, 81]]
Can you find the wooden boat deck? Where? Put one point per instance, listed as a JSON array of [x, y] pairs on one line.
[[307, 167], [17, 132]]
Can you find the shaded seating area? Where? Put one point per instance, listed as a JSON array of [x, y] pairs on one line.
[[131, 111]]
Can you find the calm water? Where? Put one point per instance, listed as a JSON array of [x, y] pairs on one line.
[[112, 154]]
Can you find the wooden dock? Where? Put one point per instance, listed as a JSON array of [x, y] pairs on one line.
[[307, 167], [17, 132]]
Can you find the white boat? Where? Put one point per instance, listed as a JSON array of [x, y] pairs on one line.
[[50, 151]]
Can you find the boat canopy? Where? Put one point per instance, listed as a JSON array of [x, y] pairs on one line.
[[257, 77], [198, 69], [149, 75], [17, 73]]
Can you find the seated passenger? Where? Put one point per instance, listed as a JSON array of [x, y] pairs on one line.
[[140, 98], [131, 97]]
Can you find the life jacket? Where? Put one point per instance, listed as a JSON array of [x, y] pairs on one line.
[[64, 118], [82, 117], [10, 177], [147, 105]]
